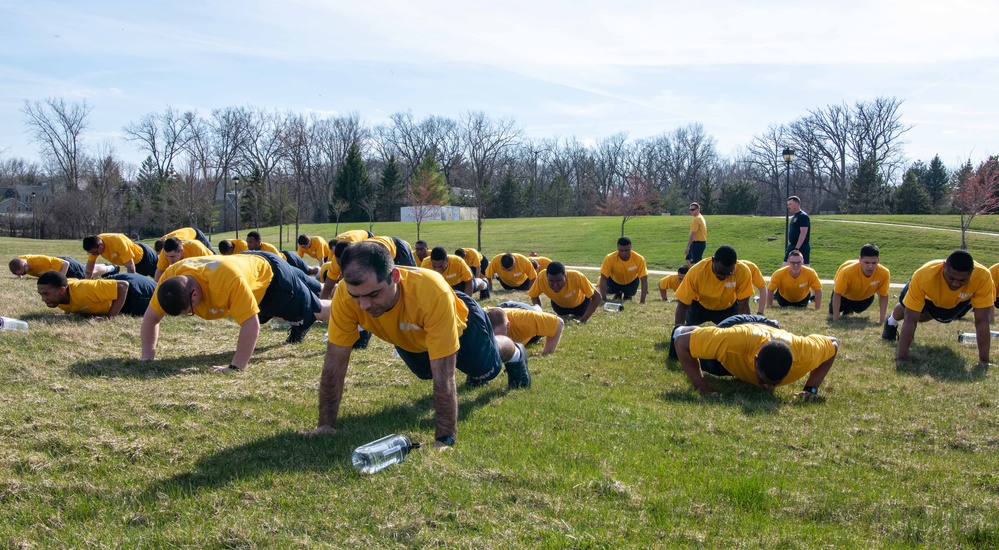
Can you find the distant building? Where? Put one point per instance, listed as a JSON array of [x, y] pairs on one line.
[[440, 213]]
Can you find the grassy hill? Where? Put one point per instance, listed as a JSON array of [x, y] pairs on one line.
[[609, 448]]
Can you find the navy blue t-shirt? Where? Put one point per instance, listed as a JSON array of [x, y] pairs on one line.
[[798, 221]]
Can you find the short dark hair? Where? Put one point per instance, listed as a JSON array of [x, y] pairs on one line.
[[497, 317], [870, 249], [226, 247], [174, 295], [460, 253], [961, 260], [775, 359], [53, 278], [726, 255], [683, 269], [624, 241], [556, 268], [304, 240], [339, 248], [358, 259], [91, 242], [14, 264], [438, 254], [173, 244], [506, 261], [158, 245], [253, 235], [421, 241], [794, 198]]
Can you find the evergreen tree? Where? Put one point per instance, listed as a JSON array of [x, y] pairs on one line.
[[506, 203], [868, 193], [391, 191], [252, 202], [353, 184], [738, 198], [707, 200], [910, 197], [937, 184], [558, 198]]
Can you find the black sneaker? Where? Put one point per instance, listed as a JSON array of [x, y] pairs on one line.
[[362, 340], [484, 294], [889, 333], [516, 372], [473, 383], [298, 333]]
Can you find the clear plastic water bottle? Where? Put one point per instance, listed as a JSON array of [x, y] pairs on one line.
[[8, 323], [756, 298], [378, 455], [972, 338], [613, 307], [279, 324]]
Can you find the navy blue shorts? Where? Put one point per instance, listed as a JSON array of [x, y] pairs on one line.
[[628, 290], [944, 315], [578, 311], [147, 265], [291, 295], [140, 291], [847, 306], [76, 269], [784, 302], [698, 314], [478, 355], [696, 251]]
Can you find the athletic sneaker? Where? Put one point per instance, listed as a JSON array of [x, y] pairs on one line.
[[298, 333], [889, 333], [516, 372], [362, 341], [484, 294]]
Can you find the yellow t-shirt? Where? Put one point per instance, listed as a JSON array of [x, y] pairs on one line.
[[238, 246], [701, 284], [387, 242], [91, 297], [118, 249], [794, 290], [522, 270], [736, 349], [670, 282], [353, 236], [994, 271], [623, 272], [755, 274], [699, 228], [576, 290], [851, 283], [192, 249], [542, 262], [318, 249], [525, 325], [184, 234], [428, 316], [38, 264], [472, 257], [457, 270], [268, 247], [330, 269], [232, 286], [927, 283]]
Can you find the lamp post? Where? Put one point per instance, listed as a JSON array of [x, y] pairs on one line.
[[788, 155], [235, 200], [34, 230]]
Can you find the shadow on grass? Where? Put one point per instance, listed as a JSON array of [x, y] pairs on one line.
[[57, 317], [734, 392], [941, 363], [130, 367], [853, 322], [293, 452]]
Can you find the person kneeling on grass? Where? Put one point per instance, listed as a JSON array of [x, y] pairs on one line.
[[251, 288], [435, 330], [756, 353]]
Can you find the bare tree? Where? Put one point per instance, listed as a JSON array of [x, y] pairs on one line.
[[104, 181], [763, 157], [162, 136], [214, 145], [976, 193], [878, 132], [56, 126], [486, 142], [337, 208]]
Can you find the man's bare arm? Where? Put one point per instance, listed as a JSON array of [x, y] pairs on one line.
[[818, 299], [249, 331], [150, 333], [119, 300], [837, 300], [130, 266], [594, 304], [883, 304], [331, 384], [691, 366], [645, 288], [445, 395], [64, 268], [906, 334], [551, 342], [984, 337]]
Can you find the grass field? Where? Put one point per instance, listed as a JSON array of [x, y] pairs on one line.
[[609, 448]]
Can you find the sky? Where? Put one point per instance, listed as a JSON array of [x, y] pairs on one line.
[[559, 68]]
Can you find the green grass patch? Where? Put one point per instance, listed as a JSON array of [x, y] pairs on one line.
[[609, 448]]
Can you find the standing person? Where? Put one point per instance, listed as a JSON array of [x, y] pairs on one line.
[[698, 240], [120, 250], [174, 250], [515, 272], [672, 282], [794, 285], [943, 290], [857, 281], [570, 292], [251, 288], [435, 331], [125, 293], [714, 289], [799, 234], [621, 272], [314, 246]]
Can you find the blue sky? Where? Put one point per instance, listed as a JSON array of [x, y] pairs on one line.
[[560, 68]]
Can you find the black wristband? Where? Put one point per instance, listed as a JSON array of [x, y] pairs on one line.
[[814, 390], [233, 367], [447, 440]]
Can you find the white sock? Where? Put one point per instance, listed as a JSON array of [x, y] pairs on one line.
[[676, 332], [516, 356], [891, 321]]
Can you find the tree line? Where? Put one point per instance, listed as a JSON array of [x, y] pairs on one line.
[[254, 167]]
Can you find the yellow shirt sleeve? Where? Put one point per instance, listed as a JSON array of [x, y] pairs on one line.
[[525, 324], [91, 297]]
